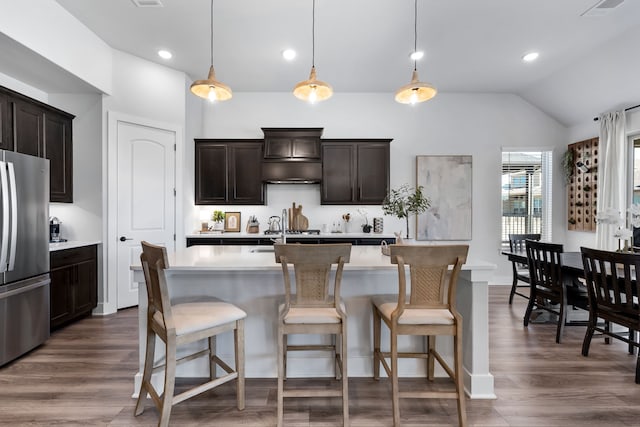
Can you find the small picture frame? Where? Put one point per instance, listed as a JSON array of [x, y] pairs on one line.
[[232, 221]]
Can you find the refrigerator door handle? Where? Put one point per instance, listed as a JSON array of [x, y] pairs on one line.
[[14, 216], [4, 242]]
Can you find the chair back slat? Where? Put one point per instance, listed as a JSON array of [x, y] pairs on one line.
[[312, 266], [154, 262], [545, 266], [433, 273], [612, 279], [517, 241]]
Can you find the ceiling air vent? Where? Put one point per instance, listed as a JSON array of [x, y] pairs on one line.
[[148, 3], [602, 8]]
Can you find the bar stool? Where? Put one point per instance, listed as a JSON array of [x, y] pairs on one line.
[[428, 310], [181, 324], [312, 310]]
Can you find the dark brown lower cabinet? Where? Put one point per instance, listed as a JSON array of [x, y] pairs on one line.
[[74, 284]]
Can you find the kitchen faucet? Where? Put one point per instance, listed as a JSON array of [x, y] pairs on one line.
[[283, 227]]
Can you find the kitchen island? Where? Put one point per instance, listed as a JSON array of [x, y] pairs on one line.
[[249, 277]]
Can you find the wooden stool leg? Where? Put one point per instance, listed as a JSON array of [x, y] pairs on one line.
[[281, 375], [212, 353], [457, 349], [431, 339], [148, 370], [376, 342], [395, 392], [345, 377], [238, 335], [169, 382]]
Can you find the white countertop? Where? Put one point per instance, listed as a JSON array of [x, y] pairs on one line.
[[71, 244], [243, 235], [241, 258]]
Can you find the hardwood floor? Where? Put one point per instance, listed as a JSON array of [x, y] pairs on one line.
[[83, 376]]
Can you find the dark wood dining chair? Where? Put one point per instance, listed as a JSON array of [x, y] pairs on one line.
[[520, 271], [612, 282], [548, 286]]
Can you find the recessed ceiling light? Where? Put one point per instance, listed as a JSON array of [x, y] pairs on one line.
[[289, 54], [416, 55], [530, 57], [164, 54]]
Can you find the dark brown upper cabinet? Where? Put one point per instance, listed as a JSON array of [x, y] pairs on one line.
[[57, 141], [6, 142], [292, 143], [228, 172], [31, 127], [28, 128], [355, 172]]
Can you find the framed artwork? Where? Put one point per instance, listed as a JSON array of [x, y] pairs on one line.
[[447, 183], [232, 221]]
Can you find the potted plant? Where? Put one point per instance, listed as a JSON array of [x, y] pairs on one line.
[[218, 221], [405, 201]]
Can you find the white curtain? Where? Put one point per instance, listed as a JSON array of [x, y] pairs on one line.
[[612, 174]]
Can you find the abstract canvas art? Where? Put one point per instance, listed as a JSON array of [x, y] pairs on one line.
[[447, 184]]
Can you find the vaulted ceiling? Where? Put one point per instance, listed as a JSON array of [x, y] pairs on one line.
[[588, 62]]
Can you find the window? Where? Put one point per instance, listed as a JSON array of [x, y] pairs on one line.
[[635, 197], [526, 193]]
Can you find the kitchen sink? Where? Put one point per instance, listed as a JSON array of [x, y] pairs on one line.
[[261, 249]]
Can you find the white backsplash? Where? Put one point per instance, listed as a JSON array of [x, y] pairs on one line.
[[281, 196]]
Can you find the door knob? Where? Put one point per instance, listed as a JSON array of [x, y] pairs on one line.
[[122, 238]]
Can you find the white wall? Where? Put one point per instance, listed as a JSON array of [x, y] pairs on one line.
[[46, 28], [470, 124], [82, 219]]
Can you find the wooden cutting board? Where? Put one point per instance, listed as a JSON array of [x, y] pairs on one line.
[[297, 221]]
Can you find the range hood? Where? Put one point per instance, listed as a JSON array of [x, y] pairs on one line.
[[291, 172]]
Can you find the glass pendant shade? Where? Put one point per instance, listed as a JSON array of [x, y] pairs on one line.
[[416, 91], [313, 90], [211, 89]]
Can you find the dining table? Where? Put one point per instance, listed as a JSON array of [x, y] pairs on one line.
[[571, 261]]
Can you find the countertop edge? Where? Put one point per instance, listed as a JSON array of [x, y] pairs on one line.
[[72, 244]]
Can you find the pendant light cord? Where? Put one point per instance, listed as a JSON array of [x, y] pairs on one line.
[[211, 26], [415, 33], [313, 35]]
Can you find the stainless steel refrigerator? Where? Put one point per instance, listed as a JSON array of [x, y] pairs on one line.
[[24, 254]]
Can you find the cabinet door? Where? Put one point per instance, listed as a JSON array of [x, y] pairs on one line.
[[211, 173], [6, 142], [28, 128], [277, 148], [61, 299], [57, 139], [85, 287], [305, 148], [337, 174], [245, 174], [372, 173]]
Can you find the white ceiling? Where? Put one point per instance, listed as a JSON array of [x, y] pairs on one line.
[[363, 45]]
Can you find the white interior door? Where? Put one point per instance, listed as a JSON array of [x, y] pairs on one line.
[[146, 198]]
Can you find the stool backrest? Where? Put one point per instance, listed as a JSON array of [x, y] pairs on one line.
[[312, 265], [434, 274], [154, 261]]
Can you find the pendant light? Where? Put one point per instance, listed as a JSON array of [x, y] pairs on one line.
[[313, 90], [210, 88], [416, 91]]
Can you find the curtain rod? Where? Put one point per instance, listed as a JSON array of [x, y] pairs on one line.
[[595, 119]]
